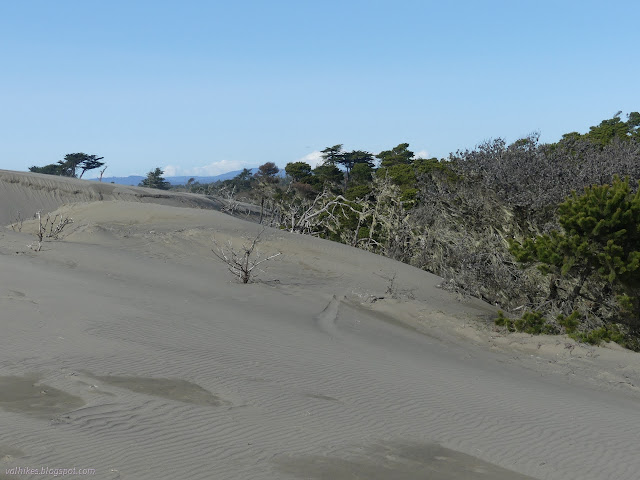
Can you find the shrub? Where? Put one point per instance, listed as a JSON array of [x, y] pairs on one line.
[[607, 333], [569, 323], [533, 323], [242, 262], [52, 228]]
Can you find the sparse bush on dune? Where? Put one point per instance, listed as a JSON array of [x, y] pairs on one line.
[[16, 224], [48, 227], [243, 262], [51, 229]]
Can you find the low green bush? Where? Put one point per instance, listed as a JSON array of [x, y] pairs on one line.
[[531, 322], [535, 324], [569, 323], [607, 333]]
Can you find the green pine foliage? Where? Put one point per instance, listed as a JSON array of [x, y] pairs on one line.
[[357, 191], [432, 165], [532, 322], [601, 234], [327, 175], [570, 323], [600, 237], [298, 171], [603, 225], [609, 130], [70, 165], [606, 333], [408, 176], [155, 180], [400, 155], [615, 128]]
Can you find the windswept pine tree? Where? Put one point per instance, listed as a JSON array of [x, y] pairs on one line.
[[155, 180], [70, 165]]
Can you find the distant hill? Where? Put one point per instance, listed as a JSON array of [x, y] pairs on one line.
[[132, 180], [178, 180]]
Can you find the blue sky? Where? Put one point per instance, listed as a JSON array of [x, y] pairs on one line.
[[204, 87]]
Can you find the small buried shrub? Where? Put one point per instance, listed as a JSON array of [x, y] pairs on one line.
[[535, 324], [52, 228], [606, 333], [531, 322], [242, 262], [505, 322], [569, 323]]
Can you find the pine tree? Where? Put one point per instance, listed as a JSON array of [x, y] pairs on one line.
[[155, 180], [601, 237]]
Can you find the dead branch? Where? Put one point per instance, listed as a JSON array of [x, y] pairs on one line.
[[242, 263], [52, 228], [16, 225]]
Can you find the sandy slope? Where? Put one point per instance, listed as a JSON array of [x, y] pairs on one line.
[[28, 193], [128, 348]]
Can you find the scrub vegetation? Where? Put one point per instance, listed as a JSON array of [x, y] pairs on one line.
[[549, 233]]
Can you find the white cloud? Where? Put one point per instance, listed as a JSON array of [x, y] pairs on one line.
[[212, 169], [422, 154], [170, 171], [314, 159]]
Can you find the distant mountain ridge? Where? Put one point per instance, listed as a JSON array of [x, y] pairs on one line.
[[134, 180]]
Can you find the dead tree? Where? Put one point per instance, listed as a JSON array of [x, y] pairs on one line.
[[52, 228], [16, 225], [102, 173], [242, 262]]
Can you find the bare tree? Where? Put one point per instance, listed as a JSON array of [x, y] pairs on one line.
[[52, 228], [16, 225], [231, 203], [242, 262]]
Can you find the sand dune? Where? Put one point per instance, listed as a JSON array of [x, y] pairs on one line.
[[129, 348], [28, 193]]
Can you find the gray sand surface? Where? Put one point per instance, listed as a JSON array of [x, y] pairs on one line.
[[128, 347]]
